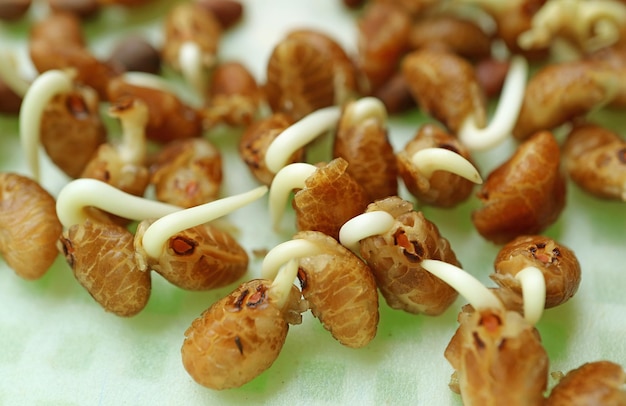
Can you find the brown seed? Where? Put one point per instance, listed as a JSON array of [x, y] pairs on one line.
[[169, 118], [12, 10], [187, 173], [103, 261], [257, 138], [81, 8], [490, 74], [457, 35], [560, 92], [72, 130], [445, 86], [330, 198], [199, 258], [59, 29], [234, 96], [29, 226], [525, 194], [227, 12], [239, 336], [10, 102], [593, 383], [353, 3], [340, 290], [190, 22], [488, 344], [383, 34], [395, 257], [135, 54], [371, 160], [300, 79], [395, 95], [558, 264], [442, 189], [595, 158]]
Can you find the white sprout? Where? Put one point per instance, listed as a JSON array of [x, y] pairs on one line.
[[429, 160], [533, 292], [81, 193], [363, 226], [298, 135], [10, 76], [42, 90], [148, 80], [133, 119], [281, 286], [466, 284], [191, 61], [286, 251], [364, 108], [592, 24], [290, 177], [162, 229], [506, 113]]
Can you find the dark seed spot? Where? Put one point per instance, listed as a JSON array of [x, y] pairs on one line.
[[239, 302], [183, 246], [77, 107], [302, 278], [621, 155], [479, 343], [239, 344]]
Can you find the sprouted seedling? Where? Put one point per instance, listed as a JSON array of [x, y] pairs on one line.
[[429, 160], [241, 335], [338, 286], [41, 91], [506, 113]]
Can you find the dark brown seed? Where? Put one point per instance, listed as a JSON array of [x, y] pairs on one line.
[[11, 10], [593, 383], [81, 8], [135, 54], [227, 12], [10, 102]]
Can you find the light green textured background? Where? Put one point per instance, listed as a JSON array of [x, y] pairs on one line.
[[58, 347]]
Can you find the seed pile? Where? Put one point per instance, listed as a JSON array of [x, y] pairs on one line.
[[354, 236]]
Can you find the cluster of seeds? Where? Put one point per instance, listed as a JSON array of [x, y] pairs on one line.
[[355, 237]]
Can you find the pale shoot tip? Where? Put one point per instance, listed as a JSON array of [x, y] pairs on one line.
[[287, 179], [281, 286], [284, 252], [364, 225], [533, 292], [429, 160], [157, 234]]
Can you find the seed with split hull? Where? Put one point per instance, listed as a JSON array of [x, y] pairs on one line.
[[199, 258], [491, 343], [72, 130], [340, 290], [239, 336], [442, 188], [457, 35], [29, 226], [383, 33], [395, 257], [593, 383], [445, 86], [257, 138], [557, 263], [169, 118], [364, 143], [330, 198], [595, 159], [103, 261], [525, 194], [187, 173]]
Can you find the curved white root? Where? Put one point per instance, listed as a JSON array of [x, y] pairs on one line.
[[290, 177], [147, 80], [466, 284], [534, 293], [298, 135], [81, 193], [162, 229], [133, 119], [363, 226], [429, 160], [506, 113], [9, 75], [364, 108], [42, 90], [281, 286], [286, 251], [191, 61]]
